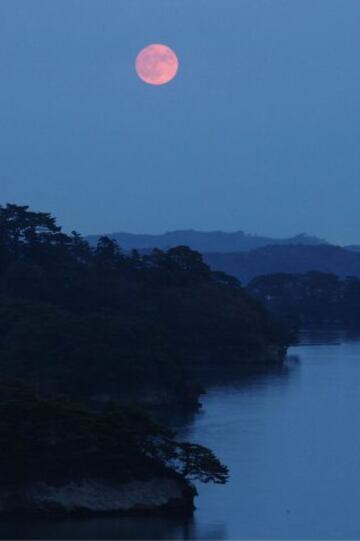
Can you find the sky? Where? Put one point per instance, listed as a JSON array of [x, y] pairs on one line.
[[259, 131]]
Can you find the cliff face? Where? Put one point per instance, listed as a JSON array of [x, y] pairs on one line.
[[156, 495]]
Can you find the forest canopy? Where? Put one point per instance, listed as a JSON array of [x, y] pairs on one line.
[[95, 320]]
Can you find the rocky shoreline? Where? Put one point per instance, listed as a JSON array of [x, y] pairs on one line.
[[161, 495]]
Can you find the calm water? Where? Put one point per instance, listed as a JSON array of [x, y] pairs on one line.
[[292, 442]]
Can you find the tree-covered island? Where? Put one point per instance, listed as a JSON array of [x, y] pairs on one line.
[[89, 337]]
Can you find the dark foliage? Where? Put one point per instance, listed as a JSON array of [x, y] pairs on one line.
[[76, 318], [311, 300], [58, 441], [81, 321]]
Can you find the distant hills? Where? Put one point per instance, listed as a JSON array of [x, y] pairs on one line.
[[246, 256], [211, 241], [289, 259]]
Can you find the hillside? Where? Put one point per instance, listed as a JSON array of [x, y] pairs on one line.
[[97, 323], [314, 300], [286, 259]]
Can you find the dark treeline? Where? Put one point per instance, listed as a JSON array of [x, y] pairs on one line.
[[310, 300], [90, 320], [81, 323]]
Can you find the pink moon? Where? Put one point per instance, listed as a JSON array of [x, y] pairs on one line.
[[156, 64]]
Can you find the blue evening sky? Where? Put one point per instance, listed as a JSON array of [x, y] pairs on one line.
[[260, 131]]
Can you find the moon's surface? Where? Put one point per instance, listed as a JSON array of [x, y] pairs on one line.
[[156, 64]]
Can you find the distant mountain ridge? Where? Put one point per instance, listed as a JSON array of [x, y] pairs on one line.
[[246, 256], [293, 259], [205, 241]]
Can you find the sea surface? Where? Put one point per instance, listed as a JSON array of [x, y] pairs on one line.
[[291, 439]]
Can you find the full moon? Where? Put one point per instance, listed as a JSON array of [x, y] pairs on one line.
[[156, 64]]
